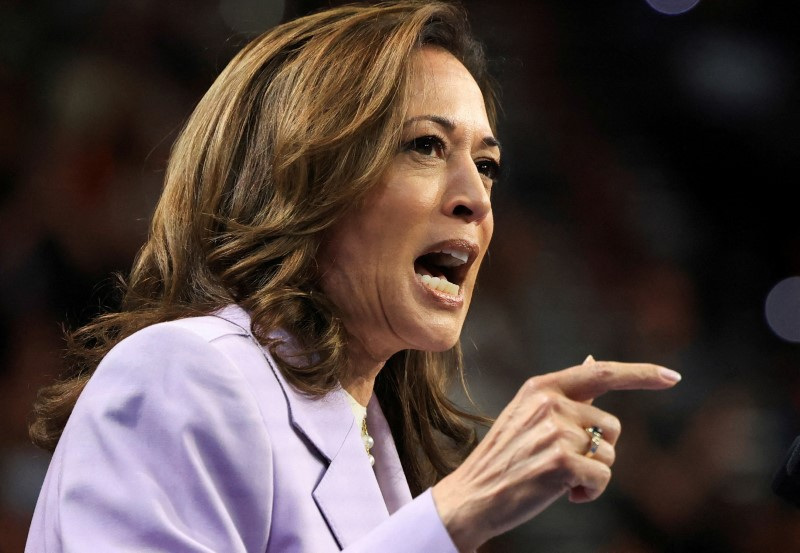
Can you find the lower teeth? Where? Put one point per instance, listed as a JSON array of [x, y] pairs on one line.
[[439, 283]]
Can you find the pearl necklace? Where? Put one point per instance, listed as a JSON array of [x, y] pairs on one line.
[[360, 413], [368, 441]]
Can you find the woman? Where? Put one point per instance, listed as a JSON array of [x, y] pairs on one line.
[[313, 256]]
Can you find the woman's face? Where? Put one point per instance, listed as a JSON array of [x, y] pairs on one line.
[[429, 218]]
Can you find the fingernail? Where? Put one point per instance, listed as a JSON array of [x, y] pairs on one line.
[[669, 374], [589, 359]]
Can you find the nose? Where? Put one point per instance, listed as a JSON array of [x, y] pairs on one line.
[[466, 196]]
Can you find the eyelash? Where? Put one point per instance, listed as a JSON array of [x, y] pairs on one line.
[[489, 168], [430, 143]]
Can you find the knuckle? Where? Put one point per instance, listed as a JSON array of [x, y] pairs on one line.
[[549, 430], [547, 401], [612, 456], [560, 459], [601, 486], [602, 371], [531, 385], [613, 426], [560, 453], [545, 413], [571, 434]]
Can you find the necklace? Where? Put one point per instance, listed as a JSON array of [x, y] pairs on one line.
[[360, 414], [368, 441]]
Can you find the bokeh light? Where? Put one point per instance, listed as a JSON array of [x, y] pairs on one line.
[[783, 309], [612, 237], [733, 76], [672, 7]]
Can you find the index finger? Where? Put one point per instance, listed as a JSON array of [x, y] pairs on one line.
[[595, 378]]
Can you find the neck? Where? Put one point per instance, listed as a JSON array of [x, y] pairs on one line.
[[362, 369], [360, 389]]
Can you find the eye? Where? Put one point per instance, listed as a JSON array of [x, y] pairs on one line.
[[431, 146], [488, 168]]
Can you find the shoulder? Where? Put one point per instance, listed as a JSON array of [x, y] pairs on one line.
[[189, 342], [184, 359], [174, 336], [178, 381], [169, 423]]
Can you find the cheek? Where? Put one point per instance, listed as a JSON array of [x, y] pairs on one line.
[[337, 254], [410, 191], [487, 229], [353, 253], [489, 226]]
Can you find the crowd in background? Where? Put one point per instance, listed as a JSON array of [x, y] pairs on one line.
[[644, 214]]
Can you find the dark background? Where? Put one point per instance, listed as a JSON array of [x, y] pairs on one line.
[[646, 212]]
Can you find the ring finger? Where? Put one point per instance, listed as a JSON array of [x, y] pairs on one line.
[[597, 448]]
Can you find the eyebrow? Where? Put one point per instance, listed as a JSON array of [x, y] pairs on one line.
[[450, 125]]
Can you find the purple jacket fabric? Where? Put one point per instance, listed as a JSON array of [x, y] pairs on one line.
[[188, 439]]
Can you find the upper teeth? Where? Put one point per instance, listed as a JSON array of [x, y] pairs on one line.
[[459, 258]]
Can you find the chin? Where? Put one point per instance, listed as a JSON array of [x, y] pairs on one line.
[[439, 347], [444, 348], [438, 338]]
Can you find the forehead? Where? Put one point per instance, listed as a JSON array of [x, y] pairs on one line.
[[441, 85]]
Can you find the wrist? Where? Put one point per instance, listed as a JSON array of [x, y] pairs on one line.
[[453, 507]]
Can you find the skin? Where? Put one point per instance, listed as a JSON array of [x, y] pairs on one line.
[[428, 195], [535, 451]]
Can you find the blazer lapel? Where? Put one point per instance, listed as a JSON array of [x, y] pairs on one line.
[[347, 495], [388, 469]]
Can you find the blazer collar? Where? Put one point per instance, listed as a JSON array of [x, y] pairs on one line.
[[328, 424]]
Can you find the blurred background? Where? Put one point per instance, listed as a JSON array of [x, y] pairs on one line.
[[647, 213]]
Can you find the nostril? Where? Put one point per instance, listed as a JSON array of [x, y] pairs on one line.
[[462, 210]]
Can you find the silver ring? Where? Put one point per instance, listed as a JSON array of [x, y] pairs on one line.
[[597, 436]]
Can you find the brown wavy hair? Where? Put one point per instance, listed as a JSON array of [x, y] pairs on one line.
[[293, 133]]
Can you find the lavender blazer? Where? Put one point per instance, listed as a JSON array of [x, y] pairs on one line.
[[188, 439]]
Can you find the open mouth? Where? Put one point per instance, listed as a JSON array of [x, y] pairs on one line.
[[444, 268]]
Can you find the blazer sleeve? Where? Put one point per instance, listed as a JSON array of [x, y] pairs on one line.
[[416, 526], [161, 451]]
